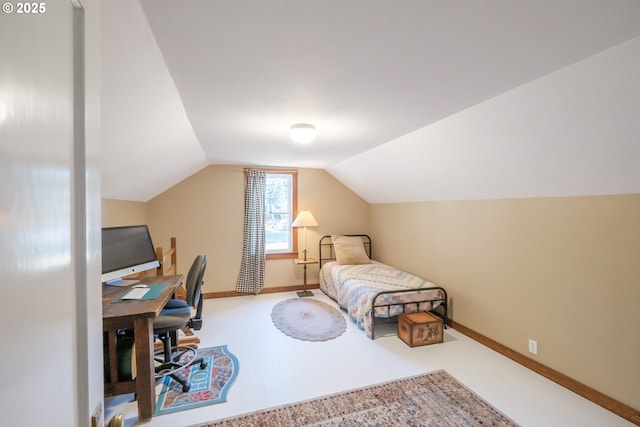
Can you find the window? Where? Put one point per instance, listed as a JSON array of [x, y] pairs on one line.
[[280, 206]]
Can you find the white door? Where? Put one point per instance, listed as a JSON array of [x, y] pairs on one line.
[[40, 380]]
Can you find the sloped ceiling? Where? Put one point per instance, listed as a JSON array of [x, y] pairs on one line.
[[574, 132], [148, 144], [413, 100]]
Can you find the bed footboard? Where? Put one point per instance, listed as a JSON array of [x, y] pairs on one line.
[[441, 310]]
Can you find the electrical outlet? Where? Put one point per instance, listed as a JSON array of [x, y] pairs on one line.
[[533, 346]]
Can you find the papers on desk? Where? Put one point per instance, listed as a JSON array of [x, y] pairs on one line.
[[141, 294], [135, 293]]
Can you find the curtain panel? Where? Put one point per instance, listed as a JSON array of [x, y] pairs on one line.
[[251, 277]]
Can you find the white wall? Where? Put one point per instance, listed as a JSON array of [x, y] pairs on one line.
[[51, 366], [93, 295]]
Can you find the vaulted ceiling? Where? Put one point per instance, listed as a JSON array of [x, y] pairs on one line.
[[412, 99]]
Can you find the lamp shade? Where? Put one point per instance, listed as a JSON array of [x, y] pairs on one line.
[[302, 133], [305, 219]]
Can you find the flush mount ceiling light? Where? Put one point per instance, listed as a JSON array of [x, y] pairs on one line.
[[302, 133]]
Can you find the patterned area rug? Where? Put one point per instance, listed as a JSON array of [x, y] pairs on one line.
[[208, 386], [434, 399], [308, 319]]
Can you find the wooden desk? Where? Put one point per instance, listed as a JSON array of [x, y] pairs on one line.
[[138, 316]]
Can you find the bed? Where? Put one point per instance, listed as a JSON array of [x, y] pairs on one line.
[[370, 291]]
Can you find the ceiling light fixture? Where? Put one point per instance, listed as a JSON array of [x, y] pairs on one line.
[[302, 133]]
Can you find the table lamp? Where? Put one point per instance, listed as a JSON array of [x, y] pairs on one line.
[[305, 219]]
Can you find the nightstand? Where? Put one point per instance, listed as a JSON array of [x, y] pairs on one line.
[[305, 292]]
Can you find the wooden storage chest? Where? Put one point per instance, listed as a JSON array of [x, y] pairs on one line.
[[418, 329]]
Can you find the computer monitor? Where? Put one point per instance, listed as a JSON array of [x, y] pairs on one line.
[[126, 250]]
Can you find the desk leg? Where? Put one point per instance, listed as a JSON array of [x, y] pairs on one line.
[[145, 378]]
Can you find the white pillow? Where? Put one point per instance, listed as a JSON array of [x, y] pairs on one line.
[[349, 250]]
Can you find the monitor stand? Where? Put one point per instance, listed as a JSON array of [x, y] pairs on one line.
[[121, 282]]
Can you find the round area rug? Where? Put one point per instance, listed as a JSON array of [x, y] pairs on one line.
[[308, 319]]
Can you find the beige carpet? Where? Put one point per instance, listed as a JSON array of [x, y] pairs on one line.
[[433, 399]]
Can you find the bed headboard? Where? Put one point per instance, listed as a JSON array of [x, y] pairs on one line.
[[326, 252]]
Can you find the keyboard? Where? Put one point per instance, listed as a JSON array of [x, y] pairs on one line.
[[136, 293]]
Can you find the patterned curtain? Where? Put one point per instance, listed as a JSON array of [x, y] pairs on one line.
[[251, 278]]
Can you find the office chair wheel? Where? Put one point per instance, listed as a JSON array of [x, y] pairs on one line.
[[203, 364], [170, 367]]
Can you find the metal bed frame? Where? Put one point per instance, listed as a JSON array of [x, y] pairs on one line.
[[326, 253]]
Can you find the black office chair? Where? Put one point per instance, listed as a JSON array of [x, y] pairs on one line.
[[176, 315]]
